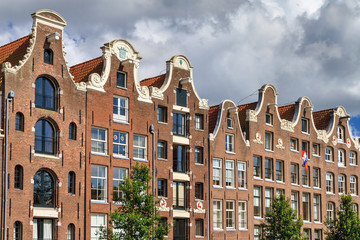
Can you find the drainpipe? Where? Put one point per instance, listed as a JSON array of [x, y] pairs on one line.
[[9, 98], [151, 129]]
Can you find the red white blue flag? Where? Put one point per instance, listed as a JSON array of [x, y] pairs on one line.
[[305, 159]]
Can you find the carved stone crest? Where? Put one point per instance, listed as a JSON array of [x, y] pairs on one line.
[[162, 206], [334, 140], [203, 104], [199, 208], [322, 136], [280, 144], [156, 93], [286, 125], [257, 139], [348, 142], [251, 115]]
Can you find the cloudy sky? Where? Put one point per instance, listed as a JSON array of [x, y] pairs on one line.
[[304, 47]]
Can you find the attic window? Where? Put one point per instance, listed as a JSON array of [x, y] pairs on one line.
[[181, 97], [48, 56], [121, 80]]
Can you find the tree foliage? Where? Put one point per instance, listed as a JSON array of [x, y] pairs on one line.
[[135, 218], [346, 224], [281, 221]]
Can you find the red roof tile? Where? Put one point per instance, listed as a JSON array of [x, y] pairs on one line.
[[154, 81], [287, 112], [213, 115], [242, 113], [82, 71], [322, 119], [14, 52]]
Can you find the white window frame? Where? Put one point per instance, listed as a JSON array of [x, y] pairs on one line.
[[119, 144], [317, 207], [306, 199], [96, 224], [305, 177], [271, 161], [318, 185], [281, 164], [100, 178], [229, 123], [242, 215], [230, 214], [269, 141], [296, 173], [217, 214], [341, 157], [329, 154], [316, 149], [217, 172], [269, 194], [259, 160], [258, 197], [342, 183], [306, 121], [139, 147], [353, 185], [329, 183], [257, 232], [330, 211], [269, 119], [295, 146], [352, 158], [340, 134], [230, 173], [119, 180], [99, 141], [199, 121], [295, 201], [242, 176], [118, 117], [229, 143]]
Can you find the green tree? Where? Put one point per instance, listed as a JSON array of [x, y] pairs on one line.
[[346, 224], [135, 218], [281, 221]]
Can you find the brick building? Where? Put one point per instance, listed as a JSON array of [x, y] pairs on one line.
[[75, 132]]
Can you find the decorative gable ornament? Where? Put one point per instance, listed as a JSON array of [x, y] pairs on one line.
[[257, 139], [162, 206], [334, 140], [280, 144], [199, 207], [348, 142]]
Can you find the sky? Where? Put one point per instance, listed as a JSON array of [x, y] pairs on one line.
[[304, 47]]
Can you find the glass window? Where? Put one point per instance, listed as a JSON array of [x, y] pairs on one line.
[[121, 79], [162, 187], [340, 134], [98, 140], [199, 227], [257, 232], [119, 174], [97, 222], [305, 176], [45, 140], [268, 141], [48, 56], [45, 94], [162, 149], [140, 147], [179, 158], [353, 185], [199, 191], [71, 182], [279, 170], [257, 166], [316, 177], [242, 215], [318, 234], [317, 209], [181, 97], [305, 125], [19, 122], [217, 172], [330, 211], [179, 195], [294, 144], [306, 206], [199, 155], [120, 109], [18, 231], [316, 149], [295, 201], [294, 173], [329, 154], [199, 121], [230, 214], [120, 144], [342, 183], [341, 157], [72, 131], [229, 123], [44, 189], [280, 192], [352, 158], [217, 214], [242, 174], [18, 177], [269, 192], [43, 228], [257, 201], [269, 168], [269, 119], [162, 114], [230, 178], [329, 182], [229, 142], [354, 207], [307, 233], [70, 232], [305, 147], [179, 124], [98, 183]]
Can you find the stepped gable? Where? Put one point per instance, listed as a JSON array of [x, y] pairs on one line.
[[322, 118], [82, 71], [242, 112], [157, 81], [287, 112], [213, 115]]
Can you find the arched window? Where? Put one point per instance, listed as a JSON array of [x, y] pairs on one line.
[[353, 185], [18, 177], [48, 56], [19, 122], [44, 189], [45, 94], [72, 131], [18, 230], [341, 157], [340, 134], [330, 211], [45, 137], [71, 183], [71, 232], [342, 183]]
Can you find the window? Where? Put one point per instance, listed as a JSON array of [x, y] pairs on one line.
[[242, 215], [257, 232], [269, 119], [45, 94], [230, 214], [269, 168], [280, 192], [72, 131], [162, 114], [43, 228], [199, 155], [98, 183], [121, 79], [355, 208], [18, 231], [229, 123], [294, 145], [305, 176], [230, 178], [70, 232], [306, 206], [217, 214], [179, 124], [305, 147], [71, 182], [329, 182], [199, 191], [97, 222], [44, 189], [307, 233], [98, 140], [242, 174], [329, 154], [164, 222], [318, 234], [179, 195], [229, 142], [162, 188], [269, 192], [316, 177], [294, 173], [120, 109], [317, 209], [295, 201], [330, 211], [199, 227], [352, 158], [179, 158], [181, 97], [217, 172], [120, 144], [45, 138], [19, 122], [340, 134], [18, 177], [162, 149], [279, 170], [316, 149], [342, 183], [353, 185], [140, 147], [304, 125], [119, 174], [257, 166], [341, 157], [199, 121], [179, 228], [48, 56], [257, 201], [269, 141]]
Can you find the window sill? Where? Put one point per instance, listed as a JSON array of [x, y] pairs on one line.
[[330, 193], [307, 222], [268, 124], [218, 229], [165, 123], [354, 195], [243, 189], [318, 222], [121, 157], [296, 185], [257, 178], [99, 202], [316, 188], [118, 203], [306, 133], [269, 150], [258, 218], [329, 161], [231, 188], [99, 154], [199, 164], [231, 128], [217, 187], [293, 150], [269, 180], [199, 129], [230, 229], [162, 159], [199, 236], [120, 121], [123, 88], [140, 160], [243, 229], [228, 152], [306, 186], [340, 166], [280, 182], [196, 200], [315, 155], [46, 156], [353, 165]]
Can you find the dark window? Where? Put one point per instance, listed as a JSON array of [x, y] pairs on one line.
[[162, 188], [71, 182], [19, 122], [18, 177], [164, 222], [121, 79], [44, 137], [229, 123], [199, 121], [179, 195], [179, 156], [199, 227], [72, 131], [305, 147], [70, 232], [43, 229], [45, 94], [162, 150], [179, 229], [179, 124], [181, 97], [48, 56], [18, 230], [44, 189], [162, 114], [199, 191], [199, 156]]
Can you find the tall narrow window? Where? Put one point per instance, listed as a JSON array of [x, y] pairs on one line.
[[353, 185], [45, 94], [181, 97], [162, 114], [306, 206], [269, 168], [317, 234], [99, 183], [121, 79], [179, 158], [71, 182], [179, 124], [329, 156], [179, 195], [162, 149], [305, 147], [120, 144], [217, 214], [44, 137], [140, 147], [120, 109], [217, 172], [279, 171], [330, 211], [269, 192], [294, 173], [316, 149], [242, 174], [342, 183], [230, 214], [199, 227], [48, 56], [294, 144], [316, 177], [229, 142], [72, 131], [352, 158], [295, 201], [257, 201], [257, 166], [199, 155], [199, 191], [18, 177], [119, 175], [305, 176], [340, 134], [304, 125], [307, 233], [257, 232], [19, 122], [242, 215], [317, 207], [329, 182], [44, 189], [70, 232], [341, 157], [269, 141], [199, 121], [98, 221], [18, 231], [230, 178], [162, 187], [269, 119], [98, 140]]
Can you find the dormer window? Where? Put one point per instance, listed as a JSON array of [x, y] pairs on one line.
[[121, 80], [340, 134], [269, 119], [181, 97], [305, 125], [48, 56]]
